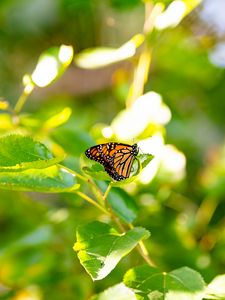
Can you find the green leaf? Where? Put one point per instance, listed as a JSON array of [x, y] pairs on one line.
[[100, 57], [97, 171], [145, 159], [19, 152], [117, 292], [49, 180], [51, 65], [150, 283], [123, 205], [216, 288], [100, 247]]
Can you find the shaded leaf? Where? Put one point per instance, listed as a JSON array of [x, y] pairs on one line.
[[19, 152], [123, 205], [49, 180], [100, 247], [182, 284]]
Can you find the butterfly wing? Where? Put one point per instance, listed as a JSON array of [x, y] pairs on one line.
[[117, 158], [94, 153], [100, 153], [123, 164], [112, 173], [123, 160]]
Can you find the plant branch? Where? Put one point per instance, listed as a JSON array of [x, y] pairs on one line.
[[23, 98], [140, 76], [143, 251], [90, 200], [74, 173], [143, 66], [95, 189], [97, 192], [107, 191]]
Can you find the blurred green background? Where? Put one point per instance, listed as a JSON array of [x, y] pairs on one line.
[[181, 197]]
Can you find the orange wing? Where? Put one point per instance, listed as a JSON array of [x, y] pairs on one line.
[[117, 158], [123, 162]]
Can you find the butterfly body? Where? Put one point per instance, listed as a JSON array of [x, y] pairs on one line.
[[117, 158]]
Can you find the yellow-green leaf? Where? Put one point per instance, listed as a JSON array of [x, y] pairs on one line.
[[18, 152], [49, 180]]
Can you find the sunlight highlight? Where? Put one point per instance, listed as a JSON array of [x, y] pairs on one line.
[[153, 145], [65, 54], [28, 84], [172, 15], [147, 109], [102, 56], [173, 163], [129, 49], [107, 132], [167, 162], [46, 71], [150, 107]]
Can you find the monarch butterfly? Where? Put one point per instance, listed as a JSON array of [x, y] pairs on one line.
[[117, 158]]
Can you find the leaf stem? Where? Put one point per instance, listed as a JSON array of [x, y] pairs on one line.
[[96, 189], [98, 194], [142, 69], [151, 13], [140, 76], [143, 251], [90, 200], [107, 191], [73, 172], [23, 98]]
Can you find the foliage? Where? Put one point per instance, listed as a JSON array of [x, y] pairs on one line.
[[21, 152], [100, 247], [51, 192], [182, 283]]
